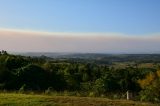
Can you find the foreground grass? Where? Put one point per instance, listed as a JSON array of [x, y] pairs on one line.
[[13, 99]]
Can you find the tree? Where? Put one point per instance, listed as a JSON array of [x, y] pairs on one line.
[[150, 87], [33, 76], [3, 52]]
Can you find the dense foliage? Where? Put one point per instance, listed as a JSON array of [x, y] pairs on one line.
[[41, 73]]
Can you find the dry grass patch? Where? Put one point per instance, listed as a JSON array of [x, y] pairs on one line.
[[13, 99]]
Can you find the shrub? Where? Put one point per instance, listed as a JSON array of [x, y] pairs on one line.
[[49, 91], [22, 89]]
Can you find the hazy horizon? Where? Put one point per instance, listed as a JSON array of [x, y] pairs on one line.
[[30, 41], [86, 26]]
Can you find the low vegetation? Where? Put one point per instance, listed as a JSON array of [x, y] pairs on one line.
[[13, 99]]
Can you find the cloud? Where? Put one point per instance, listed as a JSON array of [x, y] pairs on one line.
[[25, 41]]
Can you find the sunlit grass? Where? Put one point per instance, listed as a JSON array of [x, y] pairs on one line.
[[14, 99]]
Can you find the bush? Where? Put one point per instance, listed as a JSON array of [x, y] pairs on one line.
[[151, 92], [22, 89], [92, 94], [49, 91]]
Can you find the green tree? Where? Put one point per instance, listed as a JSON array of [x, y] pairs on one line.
[[33, 76]]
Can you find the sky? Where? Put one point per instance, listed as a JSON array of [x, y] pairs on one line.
[[99, 26]]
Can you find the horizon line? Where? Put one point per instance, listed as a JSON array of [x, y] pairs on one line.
[[76, 34]]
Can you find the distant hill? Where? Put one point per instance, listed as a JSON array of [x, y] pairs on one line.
[[97, 56]]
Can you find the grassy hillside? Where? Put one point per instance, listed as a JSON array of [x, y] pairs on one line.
[[12, 99]]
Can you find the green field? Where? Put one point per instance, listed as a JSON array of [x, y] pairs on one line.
[[13, 99]]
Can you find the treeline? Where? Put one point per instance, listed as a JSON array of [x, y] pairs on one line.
[[40, 74]]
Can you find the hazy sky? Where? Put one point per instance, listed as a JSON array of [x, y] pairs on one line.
[[130, 26]]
